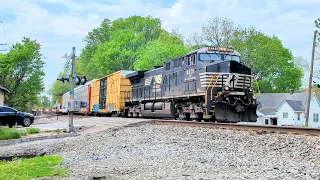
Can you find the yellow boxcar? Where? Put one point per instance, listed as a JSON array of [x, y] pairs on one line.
[[58, 104], [117, 87], [108, 93], [94, 96]]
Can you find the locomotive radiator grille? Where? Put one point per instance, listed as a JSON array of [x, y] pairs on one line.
[[232, 80]]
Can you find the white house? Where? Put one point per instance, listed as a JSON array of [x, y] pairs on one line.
[[284, 109], [2, 91]]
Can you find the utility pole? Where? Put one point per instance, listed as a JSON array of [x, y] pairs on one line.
[[73, 58], [310, 78]]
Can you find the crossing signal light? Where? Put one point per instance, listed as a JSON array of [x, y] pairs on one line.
[[80, 80], [63, 79]]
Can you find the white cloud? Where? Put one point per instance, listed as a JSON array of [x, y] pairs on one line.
[[59, 30]]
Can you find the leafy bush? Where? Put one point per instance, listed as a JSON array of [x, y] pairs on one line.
[[32, 130]]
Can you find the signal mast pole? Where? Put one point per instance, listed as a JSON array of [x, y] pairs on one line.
[[73, 106], [73, 58]]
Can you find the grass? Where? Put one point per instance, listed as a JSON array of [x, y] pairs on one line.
[[42, 166], [14, 133], [56, 131], [32, 130], [11, 133]]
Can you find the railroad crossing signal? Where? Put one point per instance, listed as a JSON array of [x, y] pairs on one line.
[[81, 80], [62, 79], [78, 80]]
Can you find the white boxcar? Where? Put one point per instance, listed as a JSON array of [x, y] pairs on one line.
[[80, 93]]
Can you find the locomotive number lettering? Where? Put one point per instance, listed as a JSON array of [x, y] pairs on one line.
[[190, 71]]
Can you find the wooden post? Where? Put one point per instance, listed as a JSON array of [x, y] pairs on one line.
[[310, 78]]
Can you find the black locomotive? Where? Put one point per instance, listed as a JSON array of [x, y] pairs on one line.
[[208, 84]]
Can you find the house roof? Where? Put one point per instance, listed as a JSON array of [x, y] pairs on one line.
[[267, 111], [295, 105], [4, 89], [270, 102]]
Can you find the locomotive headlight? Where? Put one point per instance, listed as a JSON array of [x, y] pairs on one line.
[[250, 89], [226, 88]]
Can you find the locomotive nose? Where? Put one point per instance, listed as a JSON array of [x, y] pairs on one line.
[[228, 67]]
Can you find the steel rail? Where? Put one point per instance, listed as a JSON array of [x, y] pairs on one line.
[[260, 129]]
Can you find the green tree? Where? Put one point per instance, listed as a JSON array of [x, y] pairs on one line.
[[122, 44], [58, 88], [46, 101], [21, 71], [268, 59], [165, 47], [218, 32], [195, 41], [97, 36]]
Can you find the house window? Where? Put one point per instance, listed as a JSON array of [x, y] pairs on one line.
[[266, 121], [298, 116], [315, 117], [285, 115]]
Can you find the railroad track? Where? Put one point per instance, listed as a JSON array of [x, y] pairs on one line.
[[244, 127], [59, 115]]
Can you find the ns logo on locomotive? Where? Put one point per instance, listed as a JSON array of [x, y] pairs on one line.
[[208, 84]]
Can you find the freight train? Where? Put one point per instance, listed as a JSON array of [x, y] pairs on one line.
[[209, 83]]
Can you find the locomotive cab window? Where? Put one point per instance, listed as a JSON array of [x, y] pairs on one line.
[[176, 63], [218, 57], [186, 61], [165, 82], [191, 60], [168, 66]]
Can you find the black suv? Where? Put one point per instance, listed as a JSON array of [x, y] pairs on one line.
[[11, 117]]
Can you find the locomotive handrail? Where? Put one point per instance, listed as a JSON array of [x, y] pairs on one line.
[[259, 93], [217, 77], [213, 86]]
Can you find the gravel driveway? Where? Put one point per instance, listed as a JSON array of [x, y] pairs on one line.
[[166, 152]]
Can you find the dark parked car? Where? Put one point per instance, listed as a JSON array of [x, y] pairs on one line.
[[11, 117]]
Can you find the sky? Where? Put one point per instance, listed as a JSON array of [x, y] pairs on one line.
[[58, 25]]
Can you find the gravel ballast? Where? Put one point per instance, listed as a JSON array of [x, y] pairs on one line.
[[168, 152]]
